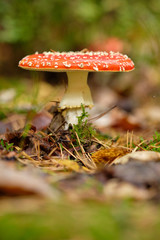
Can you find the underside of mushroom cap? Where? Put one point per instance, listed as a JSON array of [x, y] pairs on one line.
[[81, 61]]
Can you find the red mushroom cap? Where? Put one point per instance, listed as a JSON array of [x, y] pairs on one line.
[[71, 61]]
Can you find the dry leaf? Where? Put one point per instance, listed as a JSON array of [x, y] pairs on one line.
[[140, 156], [18, 183], [120, 190], [69, 164], [126, 123], [139, 173], [41, 120], [7, 95]]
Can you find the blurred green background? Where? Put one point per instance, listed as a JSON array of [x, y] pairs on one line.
[[129, 26]]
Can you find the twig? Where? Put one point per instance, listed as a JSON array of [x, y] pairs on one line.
[[61, 150], [97, 141], [69, 152], [56, 130], [131, 140], [82, 149], [52, 131], [37, 148], [127, 139], [25, 154], [85, 157], [90, 159], [139, 146], [102, 114], [73, 147], [52, 151]]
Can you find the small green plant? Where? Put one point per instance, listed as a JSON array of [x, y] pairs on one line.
[[83, 128], [150, 145], [6, 146]]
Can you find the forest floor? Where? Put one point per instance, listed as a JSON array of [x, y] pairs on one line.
[[95, 181]]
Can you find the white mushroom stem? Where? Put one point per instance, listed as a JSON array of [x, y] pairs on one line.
[[76, 94]]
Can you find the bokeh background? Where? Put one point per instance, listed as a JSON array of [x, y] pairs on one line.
[[129, 26]]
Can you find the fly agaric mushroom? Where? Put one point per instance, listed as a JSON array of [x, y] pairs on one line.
[[77, 65]]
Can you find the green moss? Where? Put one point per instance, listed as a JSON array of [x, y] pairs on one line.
[[83, 128]]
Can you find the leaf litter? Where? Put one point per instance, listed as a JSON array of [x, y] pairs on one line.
[[98, 167]]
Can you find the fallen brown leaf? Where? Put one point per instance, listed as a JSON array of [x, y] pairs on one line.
[[20, 183], [41, 120], [120, 190], [140, 156]]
